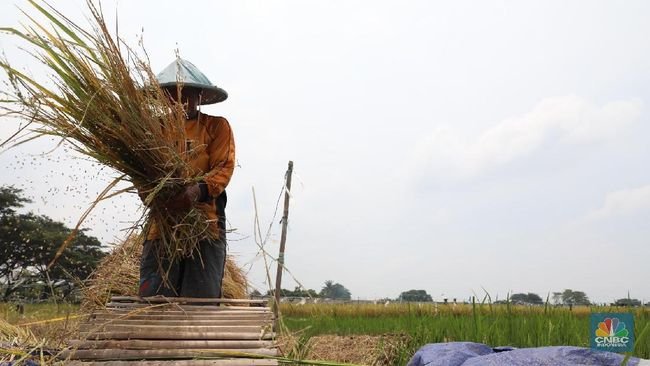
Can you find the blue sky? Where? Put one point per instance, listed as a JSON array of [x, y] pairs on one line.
[[448, 146]]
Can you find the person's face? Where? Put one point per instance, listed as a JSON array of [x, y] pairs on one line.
[[189, 98]]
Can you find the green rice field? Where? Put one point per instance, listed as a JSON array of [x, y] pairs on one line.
[[412, 324], [495, 325]]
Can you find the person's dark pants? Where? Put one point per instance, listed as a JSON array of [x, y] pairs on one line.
[[198, 276]]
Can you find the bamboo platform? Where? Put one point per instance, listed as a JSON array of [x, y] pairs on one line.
[[158, 331]]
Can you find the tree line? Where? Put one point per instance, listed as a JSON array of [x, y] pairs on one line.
[[567, 297], [336, 291], [330, 290], [28, 242]]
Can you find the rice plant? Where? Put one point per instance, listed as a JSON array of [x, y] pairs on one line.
[[495, 325], [103, 100]]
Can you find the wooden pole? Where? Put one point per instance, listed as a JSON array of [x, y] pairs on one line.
[[283, 240]]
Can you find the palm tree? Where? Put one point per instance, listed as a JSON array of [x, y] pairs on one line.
[[335, 291], [328, 291]]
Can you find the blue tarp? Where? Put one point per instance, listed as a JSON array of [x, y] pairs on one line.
[[475, 354]]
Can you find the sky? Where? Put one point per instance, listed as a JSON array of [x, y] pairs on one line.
[[453, 146]]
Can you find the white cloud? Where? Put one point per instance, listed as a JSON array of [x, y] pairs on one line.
[[623, 202], [569, 119]]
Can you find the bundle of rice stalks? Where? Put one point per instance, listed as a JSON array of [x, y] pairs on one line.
[[14, 343], [103, 100], [118, 274], [14, 335]]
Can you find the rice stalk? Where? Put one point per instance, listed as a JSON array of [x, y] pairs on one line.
[[14, 335], [103, 100]]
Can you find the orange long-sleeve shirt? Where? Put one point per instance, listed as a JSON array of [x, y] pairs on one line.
[[211, 147]]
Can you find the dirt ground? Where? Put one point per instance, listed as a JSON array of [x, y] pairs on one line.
[[358, 349]]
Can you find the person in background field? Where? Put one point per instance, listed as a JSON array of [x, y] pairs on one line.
[[212, 147]]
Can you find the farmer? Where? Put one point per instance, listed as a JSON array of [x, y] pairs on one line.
[[212, 147]]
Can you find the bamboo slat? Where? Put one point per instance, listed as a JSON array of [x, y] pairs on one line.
[[178, 322], [185, 313], [132, 354], [178, 335], [184, 300], [171, 330], [180, 316], [126, 305], [169, 344], [220, 362], [135, 311]]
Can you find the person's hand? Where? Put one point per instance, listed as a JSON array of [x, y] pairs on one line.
[[185, 199]]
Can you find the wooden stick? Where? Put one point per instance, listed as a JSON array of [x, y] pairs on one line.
[[185, 300], [162, 334], [132, 354], [170, 344], [283, 240]]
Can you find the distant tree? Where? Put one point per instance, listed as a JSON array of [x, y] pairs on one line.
[[535, 299], [14, 256], [335, 291], [76, 263], [255, 293], [301, 292], [11, 199], [570, 297], [29, 242], [296, 292], [628, 302], [529, 298], [415, 296]]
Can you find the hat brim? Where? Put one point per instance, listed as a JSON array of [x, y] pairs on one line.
[[209, 94]]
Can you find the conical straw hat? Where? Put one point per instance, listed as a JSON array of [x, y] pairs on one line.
[[191, 77]]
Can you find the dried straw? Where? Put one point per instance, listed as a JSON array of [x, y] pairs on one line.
[[104, 101], [118, 274]]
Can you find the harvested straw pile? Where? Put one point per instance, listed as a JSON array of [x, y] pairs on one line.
[[103, 100], [118, 274], [14, 341]]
